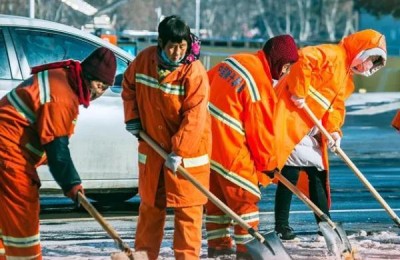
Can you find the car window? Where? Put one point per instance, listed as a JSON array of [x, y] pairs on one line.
[[45, 47], [40, 47], [5, 71], [121, 67]]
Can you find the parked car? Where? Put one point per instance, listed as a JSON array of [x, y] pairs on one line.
[[104, 154]]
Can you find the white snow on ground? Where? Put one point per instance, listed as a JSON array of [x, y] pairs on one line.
[[372, 97], [381, 245], [373, 103], [87, 240], [376, 246]]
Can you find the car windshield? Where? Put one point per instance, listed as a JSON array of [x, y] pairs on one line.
[[41, 47], [45, 47]]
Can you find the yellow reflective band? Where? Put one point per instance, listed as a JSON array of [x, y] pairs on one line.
[[320, 99], [23, 257], [218, 219], [235, 178], [21, 242], [35, 150], [44, 86], [242, 239], [20, 106], [249, 217], [226, 119], [165, 87], [142, 158], [195, 161], [246, 75], [218, 233]]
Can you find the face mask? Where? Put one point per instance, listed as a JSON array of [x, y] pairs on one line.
[[361, 66], [364, 68]]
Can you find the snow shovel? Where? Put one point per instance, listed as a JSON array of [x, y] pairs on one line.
[[352, 166], [267, 246], [111, 232], [335, 237]]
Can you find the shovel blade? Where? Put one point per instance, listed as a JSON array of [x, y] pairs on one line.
[[272, 248], [336, 238]]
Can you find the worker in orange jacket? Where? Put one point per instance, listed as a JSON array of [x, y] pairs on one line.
[[396, 121], [241, 104], [36, 119], [322, 79], [165, 93]]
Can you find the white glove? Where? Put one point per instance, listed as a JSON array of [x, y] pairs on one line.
[[298, 101], [173, 161], [337, 139]]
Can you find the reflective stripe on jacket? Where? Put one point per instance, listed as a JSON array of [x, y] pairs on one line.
[[40, 109], [242, 103]]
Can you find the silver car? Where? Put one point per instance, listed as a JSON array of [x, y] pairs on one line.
[[104, 154]]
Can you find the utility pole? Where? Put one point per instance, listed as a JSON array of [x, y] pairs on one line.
[[197, 26], [32, 8]]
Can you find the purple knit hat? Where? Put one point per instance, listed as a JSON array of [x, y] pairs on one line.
[[280, 50], [101, 64]]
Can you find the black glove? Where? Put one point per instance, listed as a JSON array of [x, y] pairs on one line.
[[134, 126], [271, 174]]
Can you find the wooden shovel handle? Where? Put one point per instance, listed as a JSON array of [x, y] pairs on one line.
[[205, 191], [352, 166], [109, 229]]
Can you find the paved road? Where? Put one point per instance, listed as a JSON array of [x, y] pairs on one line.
[[369, 141]]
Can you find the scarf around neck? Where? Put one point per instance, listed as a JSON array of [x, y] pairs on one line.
[[75, 78], [165, 63]]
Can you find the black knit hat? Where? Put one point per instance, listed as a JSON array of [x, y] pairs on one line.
[[101, 65]]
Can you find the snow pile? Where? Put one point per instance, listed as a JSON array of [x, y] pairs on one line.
[[377, 245], [367, 245]]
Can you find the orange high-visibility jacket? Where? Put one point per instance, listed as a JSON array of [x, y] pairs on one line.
[[241, 104], [33, 114], [174, 113], [323, 77], [396, 121]]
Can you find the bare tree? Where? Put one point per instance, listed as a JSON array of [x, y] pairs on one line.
[[306, 20], [14, 7], [304, 10]]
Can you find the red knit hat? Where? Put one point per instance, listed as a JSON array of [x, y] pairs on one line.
[[280, 50], [101, 65]]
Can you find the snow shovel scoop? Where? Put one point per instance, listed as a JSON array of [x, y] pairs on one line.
[[352, 166], [267, 246], [335, 237], [126, 251]]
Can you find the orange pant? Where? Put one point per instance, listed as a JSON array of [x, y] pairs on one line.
[[187, 231], [19, 217], [242, 202]]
